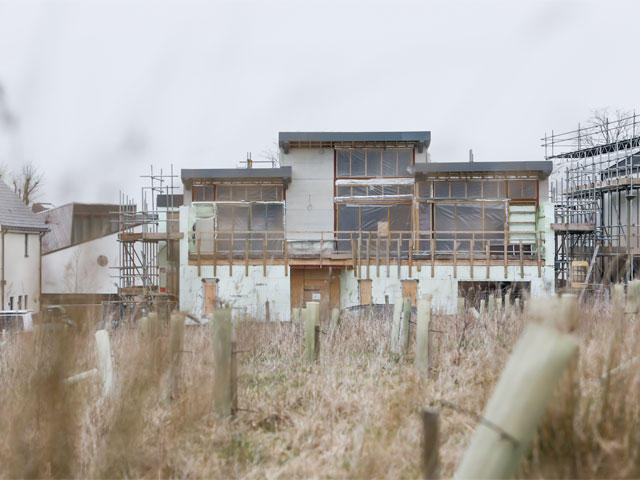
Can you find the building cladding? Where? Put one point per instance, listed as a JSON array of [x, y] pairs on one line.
[[353, 218]]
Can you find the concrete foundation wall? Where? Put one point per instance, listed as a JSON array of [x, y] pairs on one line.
[[21, 274], [443, 287]]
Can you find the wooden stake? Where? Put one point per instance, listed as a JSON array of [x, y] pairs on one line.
[[405, 326], [423, 350], [176, 346], [311, 321], [395, 327], [296, 316], [482, 306], [221, 332], [335, 318], [460, 305], [492, 304], [430, 444], [234, 379]]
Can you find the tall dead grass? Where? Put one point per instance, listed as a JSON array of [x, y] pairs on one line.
[[354, 414]]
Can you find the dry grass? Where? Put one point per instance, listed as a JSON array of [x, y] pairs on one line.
[[355, 414]]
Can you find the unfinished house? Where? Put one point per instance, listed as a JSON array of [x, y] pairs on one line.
[[353, 219], [21, 233], [594, 186]]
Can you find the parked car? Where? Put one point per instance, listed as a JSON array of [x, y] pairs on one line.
[[16, 321]]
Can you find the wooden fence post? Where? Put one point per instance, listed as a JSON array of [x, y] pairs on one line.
[[482, 306], [335, 319], [234, 378], [633, 297], [499, 304], [460, 305], [296, 315], [423, 346], [222, 331], [492, 304], [430, 444], [395, 327], [105, 365], [311, 321], [143, 326], [507, 302], [405, 325], [176, 346], [518, 401]]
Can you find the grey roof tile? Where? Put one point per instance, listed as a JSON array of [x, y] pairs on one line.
[[15, 214]]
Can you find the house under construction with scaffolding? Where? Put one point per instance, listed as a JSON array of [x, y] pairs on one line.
[[359, 218], [594, 186]]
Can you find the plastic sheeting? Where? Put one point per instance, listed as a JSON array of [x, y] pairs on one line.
[[464, 221], [367, 218]]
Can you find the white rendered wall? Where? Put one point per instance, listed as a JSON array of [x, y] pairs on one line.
[[443, 287], [76, 270], [309, 204], [21, 273], [245, 294]]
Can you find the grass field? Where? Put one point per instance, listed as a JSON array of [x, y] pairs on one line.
[[354, 414]]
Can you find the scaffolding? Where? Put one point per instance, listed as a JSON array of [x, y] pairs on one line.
[[148, 236], [594, 188]]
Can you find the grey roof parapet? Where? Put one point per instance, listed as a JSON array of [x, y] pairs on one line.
[[543, 168], [421, 138], [236, 174]]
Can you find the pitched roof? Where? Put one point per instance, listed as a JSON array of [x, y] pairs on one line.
[[14, 214]]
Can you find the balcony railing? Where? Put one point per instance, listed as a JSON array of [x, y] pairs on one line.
[[374, 248]]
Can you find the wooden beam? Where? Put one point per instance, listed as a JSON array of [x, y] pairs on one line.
[[521, 261], [455, 259], [399, 253], [473, 242], [488, 257], [433, 257], [368, 256], [246, 257], [215, 255], [538, 259], [198, 241], [264, 255]]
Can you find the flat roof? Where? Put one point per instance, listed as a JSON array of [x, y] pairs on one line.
[[543, 168], [236, 174], [312, 139]]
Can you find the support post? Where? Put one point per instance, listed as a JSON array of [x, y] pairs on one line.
[[222, 331], [423, 346], [488, 257], [433, 257], [311, 321], [521, 261], [482, 306], [234, 379], [335, 318], [507, 302], [455, 259], [430, 445], [460, 305], [492, 304], [354, 264], [473, 242], [176, 346], [406, 324], [198, 241], [296, 316], [395, 327]]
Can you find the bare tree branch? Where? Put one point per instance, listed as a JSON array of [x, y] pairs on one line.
[[27, 182]]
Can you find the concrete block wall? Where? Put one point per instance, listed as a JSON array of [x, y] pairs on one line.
[[443, 287]]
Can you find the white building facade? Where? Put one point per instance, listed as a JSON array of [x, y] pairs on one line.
[[21, 232], [358, 218]]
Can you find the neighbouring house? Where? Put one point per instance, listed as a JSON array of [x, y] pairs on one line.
[[355, 218], [80, 253], [21, 233]]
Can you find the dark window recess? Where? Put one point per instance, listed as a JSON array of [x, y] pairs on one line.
[[202, 193], [522, 189], [475, 291], [373, 163]]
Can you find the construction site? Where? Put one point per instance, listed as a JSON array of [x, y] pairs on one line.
[[594, 188]]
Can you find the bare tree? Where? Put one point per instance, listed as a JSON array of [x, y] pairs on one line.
[[27, 182], [272, 153], [606, 127]]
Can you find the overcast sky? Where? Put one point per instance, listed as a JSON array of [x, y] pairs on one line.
[[100, 90]]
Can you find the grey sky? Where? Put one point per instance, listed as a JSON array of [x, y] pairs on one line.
[[103, 89]]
